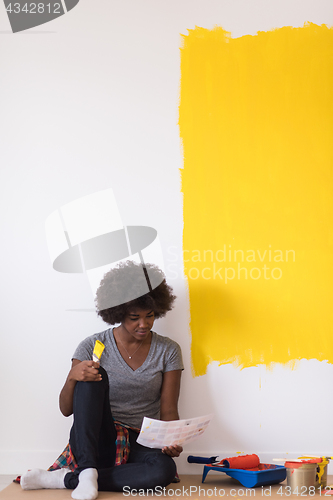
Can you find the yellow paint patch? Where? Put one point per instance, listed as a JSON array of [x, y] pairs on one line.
[[256, 122]]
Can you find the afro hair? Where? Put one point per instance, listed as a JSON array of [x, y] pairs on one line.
[[128, 280]]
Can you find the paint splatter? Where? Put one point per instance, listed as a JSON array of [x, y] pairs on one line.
[[256, 123]]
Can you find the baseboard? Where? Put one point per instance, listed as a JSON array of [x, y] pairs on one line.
[[17, 462]]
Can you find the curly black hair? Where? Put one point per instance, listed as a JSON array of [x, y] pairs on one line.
[[126, 280]]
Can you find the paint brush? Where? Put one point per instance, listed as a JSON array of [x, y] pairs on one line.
[[98, 350], [304, 460], [287, 460]]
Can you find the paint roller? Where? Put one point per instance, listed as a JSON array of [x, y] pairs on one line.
[[246, 462]]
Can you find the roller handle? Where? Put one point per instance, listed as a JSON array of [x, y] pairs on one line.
[[201, 460]]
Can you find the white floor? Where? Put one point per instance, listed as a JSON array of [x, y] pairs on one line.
[[5, 480]]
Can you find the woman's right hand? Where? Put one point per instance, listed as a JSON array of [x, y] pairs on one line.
[[85, 371], [81, 371]]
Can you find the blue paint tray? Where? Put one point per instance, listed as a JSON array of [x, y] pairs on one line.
[[267, 474]]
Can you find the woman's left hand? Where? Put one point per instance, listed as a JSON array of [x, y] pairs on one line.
[[172, 451]]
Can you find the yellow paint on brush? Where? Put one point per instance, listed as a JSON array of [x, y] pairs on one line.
[[98, 350], [256, 123]]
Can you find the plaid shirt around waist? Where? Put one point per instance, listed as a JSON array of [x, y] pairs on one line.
[[67, 459]]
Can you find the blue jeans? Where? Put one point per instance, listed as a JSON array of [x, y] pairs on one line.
[[92, 440]]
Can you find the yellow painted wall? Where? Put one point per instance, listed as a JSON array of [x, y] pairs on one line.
[[256, 123]]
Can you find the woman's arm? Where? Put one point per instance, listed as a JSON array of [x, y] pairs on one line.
[[169, 405], [81, 371], [170, 395]]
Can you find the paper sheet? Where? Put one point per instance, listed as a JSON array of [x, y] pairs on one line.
[[158, 433]]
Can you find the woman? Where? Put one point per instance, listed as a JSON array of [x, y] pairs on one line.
[[138, 375]]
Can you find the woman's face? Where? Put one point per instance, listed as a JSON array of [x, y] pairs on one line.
[[139, 322]]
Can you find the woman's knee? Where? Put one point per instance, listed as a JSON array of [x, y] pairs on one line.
[[104, 381], [164, 469], [91, 388]]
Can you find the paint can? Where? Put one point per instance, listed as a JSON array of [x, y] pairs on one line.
[[301, 476], [321, 476]]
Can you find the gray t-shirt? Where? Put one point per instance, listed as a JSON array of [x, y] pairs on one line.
[[134, 394]]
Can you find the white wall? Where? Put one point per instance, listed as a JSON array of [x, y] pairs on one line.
[[90, 101]]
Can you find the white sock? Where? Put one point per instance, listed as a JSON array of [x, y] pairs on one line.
[[87, 489], [37, 479]]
